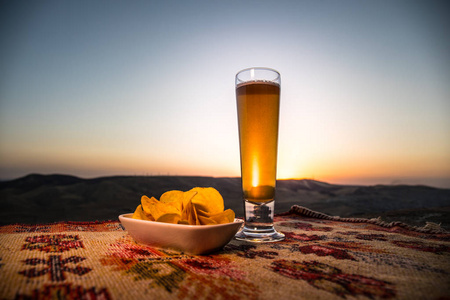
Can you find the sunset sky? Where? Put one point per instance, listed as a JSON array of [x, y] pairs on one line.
[[95, 88]]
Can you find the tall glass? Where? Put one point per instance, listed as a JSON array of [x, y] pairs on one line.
[[258, 106]]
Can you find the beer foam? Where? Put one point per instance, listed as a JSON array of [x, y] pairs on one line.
[[258, 82]]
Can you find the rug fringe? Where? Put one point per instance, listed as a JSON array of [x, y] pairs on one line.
[[428, 228]]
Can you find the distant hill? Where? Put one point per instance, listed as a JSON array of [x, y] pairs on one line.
[[49, 198]]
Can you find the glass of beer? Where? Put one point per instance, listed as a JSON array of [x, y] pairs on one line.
[[258, 106]]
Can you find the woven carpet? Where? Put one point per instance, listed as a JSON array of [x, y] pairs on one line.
[[322, 257]]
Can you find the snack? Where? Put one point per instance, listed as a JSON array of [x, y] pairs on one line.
[[199, 206]]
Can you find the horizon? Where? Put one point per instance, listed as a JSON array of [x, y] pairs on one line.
[[434, 183], [93, 88]]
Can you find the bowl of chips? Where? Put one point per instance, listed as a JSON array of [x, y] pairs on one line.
[[192, 239], [193, 222]]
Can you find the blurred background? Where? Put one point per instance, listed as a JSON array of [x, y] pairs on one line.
[[97, 88]]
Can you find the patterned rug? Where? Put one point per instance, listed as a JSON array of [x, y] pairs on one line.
[[322, 257]]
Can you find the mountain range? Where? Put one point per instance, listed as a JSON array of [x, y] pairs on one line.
[[39, 198]]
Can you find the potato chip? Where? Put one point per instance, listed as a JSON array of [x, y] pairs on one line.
[[169, 218], [191, 213], [140, 214], [171, 196], [159, 209], [146, 202], [174, 197], [137, 213], [187, 214], [206, 221], [208, 199], [206, 218], [226, 216], [202, 213], [198, 206], [187, 197]]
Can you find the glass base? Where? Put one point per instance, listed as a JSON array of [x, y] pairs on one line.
[[258, 226], [259, 236]]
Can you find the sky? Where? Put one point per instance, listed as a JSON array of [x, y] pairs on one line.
[[98, 88]]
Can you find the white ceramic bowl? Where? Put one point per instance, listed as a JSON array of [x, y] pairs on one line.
[[192, 239]]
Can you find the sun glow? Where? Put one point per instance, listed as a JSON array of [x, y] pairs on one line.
[[255, 172]]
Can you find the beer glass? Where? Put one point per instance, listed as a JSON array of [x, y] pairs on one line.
[[258, 105]]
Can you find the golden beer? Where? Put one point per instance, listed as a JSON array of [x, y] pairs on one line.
[[258, 105]]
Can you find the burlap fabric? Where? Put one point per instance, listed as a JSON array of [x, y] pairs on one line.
[[322, 257]]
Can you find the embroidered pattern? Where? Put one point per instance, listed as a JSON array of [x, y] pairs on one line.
[[320, 258], [23, 229], [67, 292], [161, 273], [420, 246], [174, 272], [323, 251], [333, 280], [53, 243], [55, 266]]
